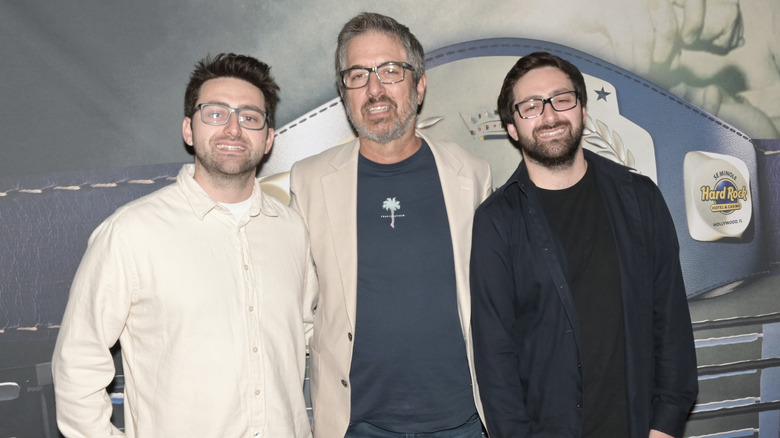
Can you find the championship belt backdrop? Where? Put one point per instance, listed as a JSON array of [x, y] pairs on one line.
[[723, 191]]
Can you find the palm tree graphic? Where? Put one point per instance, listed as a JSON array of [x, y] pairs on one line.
[[391, 204]]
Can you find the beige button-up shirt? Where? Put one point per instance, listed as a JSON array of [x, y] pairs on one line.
[[213, 317]]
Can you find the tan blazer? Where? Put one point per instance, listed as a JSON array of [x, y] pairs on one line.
[[324, 191]]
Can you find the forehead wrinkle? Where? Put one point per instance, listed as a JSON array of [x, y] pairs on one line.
[[550, 94], [221, 90], [366, 45]]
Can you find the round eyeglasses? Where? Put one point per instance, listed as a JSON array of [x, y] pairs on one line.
[[528, 109], [387, 73], [217, 115]]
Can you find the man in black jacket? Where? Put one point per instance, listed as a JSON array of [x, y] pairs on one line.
[[579, 314]]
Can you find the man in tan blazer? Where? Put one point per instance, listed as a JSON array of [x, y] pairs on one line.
[[390, 218]]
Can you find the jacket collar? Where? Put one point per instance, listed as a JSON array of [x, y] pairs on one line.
[[600, 164], [349, 154]]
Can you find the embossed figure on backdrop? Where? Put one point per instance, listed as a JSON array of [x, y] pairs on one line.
[[207, 283], [390, 218], [579, 315]]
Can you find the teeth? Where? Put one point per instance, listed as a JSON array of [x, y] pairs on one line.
[[224, 147], [378, 109], [549, 134]]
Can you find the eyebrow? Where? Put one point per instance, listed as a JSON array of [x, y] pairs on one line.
[[253, 107], [552, 93], [381, 63]]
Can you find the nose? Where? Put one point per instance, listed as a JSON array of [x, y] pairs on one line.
[[232, 127], [374, 87], [548, 113]]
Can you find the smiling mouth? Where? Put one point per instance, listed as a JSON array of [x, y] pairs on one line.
[[558, 131], [225, 147], [378, 109]]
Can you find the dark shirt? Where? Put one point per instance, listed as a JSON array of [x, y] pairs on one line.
[[526, 331], [579, 219], [409, 367]]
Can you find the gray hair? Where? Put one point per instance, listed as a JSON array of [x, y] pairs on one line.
[[373, 22]]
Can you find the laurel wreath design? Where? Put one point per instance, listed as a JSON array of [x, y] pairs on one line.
[[596, 133], [607, 144]]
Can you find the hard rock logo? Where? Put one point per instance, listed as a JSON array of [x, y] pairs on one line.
[[726, 196], [717, 196]]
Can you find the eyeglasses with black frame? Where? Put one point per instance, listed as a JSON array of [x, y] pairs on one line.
[[531, 108], [387, 73], [216, 114]]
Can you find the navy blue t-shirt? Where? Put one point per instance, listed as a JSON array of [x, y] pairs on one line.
[[409, 367]]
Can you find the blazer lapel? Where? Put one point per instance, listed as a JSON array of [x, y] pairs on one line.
[[459, 196], [339, 189]]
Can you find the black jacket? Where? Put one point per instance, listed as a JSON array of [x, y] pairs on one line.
[[524, 322]]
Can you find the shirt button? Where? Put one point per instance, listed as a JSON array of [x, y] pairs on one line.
[[257, 392], [579, 365], [254, 349], [349, 336], [246, 267], [251, 308], [344, 382], [579, 405]]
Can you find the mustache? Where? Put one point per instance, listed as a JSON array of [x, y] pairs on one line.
[[556, 125], [239, 138], [553, 126]]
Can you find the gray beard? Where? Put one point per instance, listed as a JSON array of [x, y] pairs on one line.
[[395, 132]]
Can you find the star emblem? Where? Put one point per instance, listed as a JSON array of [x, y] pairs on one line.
[[602, 94]]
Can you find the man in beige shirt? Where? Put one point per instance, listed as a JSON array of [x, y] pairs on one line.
[[207, 283]]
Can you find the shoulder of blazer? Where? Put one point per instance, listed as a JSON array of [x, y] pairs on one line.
[[335, 157], [454, 155]]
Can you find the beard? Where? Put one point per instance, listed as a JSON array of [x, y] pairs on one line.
[[405, 121], [554, 153], [226, 168]]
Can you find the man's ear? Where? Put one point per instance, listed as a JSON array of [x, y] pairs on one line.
[[269, 141], [421, 89], [512, 131], [186, 130]]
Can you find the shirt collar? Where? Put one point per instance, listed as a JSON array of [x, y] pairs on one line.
[[202, 204]]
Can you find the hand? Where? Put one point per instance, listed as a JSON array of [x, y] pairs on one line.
[[656, 434], [711, 24], [649, 35], [672, 26], [718, 24], [737, 111]]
